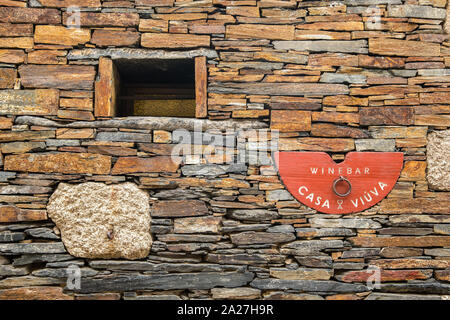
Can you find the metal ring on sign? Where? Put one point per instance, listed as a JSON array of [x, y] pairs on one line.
[[339, 180]]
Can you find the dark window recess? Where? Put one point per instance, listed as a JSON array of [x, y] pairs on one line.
[[160, 88]]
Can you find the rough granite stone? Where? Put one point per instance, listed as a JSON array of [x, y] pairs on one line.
[[101, 221], [438, 160]]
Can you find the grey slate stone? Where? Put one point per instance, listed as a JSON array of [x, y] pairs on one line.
[[307, 285], [284, 228], [124, 137], [279, 195], [394, 296], [190, 281], [29, 248], [421, 287], [306, 247], [11, 236], [39, 258], [62, 272], [130, 53], [42, 233], [414, 11], [253, 215], [16, 189], [62, 143], [355, 46], [379, 145], [342, 78], [4, 176], [148, 123], [315, 261], [280, 89], [11, 271], [357, 223]]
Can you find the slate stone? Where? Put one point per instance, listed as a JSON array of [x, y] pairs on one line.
[[378, 145], [124, 137], [306, 247], [62, 273], [279, 195], [393, 296], [253, 215], [11, 271], [356, 46], [248, 238], [188, 281], [132, 53], [40, 258], [153, 123], [284, 228], [42, 233], [342, 78], [29, 248], [357, 223], [307, 286], [414, 11], [421, 287], [11, 236], [315, 261], [5, 176]]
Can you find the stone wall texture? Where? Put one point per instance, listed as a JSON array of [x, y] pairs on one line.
[[350, 75]]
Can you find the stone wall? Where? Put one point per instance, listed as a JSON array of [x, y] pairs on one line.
[[360, 75]]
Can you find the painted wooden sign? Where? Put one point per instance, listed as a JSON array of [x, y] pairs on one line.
[[354, 185]]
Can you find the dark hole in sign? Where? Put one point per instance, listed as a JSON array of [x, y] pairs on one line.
[[155, 87]]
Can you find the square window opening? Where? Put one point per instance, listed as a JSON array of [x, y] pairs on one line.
[[156, 87]]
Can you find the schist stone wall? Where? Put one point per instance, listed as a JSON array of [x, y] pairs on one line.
[[104, 194]]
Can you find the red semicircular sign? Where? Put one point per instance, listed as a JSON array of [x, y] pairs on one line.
[[354, 185]]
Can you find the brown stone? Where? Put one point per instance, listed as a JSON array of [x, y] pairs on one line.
[[411, 263], [16, 30], [12, 56], [164, 40], [25, 135], [57, 76], [435, 97], [113, 150], [6, 123], [333, 59], [34, 293], [75, 114], [338, 26], [386, 116], [135, 165], [61, 35], [68, 3], [197, 225], [374, 242], [301, 274], [290, 120], [331, 130], [442, 120], [104, 38], [417, 205], [255, 31], [179, 208], [15, 214], [345, 101], [442, 275], [385, 275], [23, 147], [413, 171], [316, 144], [65, 133], [29, 102], [395, 252], [336, 117], [393, 47], [47, 57], [30, 15], [17, 43], [59, 162], [7, 78], [106, 19], [151, 25], [380, 62]]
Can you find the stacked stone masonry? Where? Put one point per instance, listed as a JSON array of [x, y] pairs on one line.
[[341, 76]]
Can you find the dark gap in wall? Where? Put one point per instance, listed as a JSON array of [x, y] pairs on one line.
[[155, 87]]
